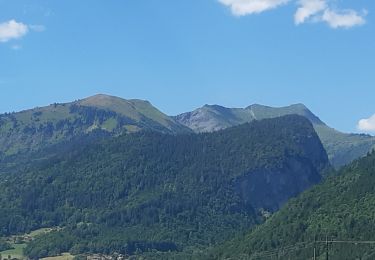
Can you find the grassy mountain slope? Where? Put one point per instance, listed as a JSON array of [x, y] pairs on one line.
[[341, 148], [157, 191], [135, 109], [35, 128], [342, 207], [344, 148]]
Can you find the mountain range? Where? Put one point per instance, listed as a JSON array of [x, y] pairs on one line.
[[155, 191], [108, 175], [39, 127], [341, 148]]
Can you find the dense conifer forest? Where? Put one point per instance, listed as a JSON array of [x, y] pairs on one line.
[[154, 191], [340, 209]]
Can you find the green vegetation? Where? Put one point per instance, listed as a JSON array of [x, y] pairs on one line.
[[40, 127], [137, 110], [344, 148], [341, 208], [15, 252], [4, 245], [64, 256], [341, 148], [161, 196], [150, 191], [40, 231], [14, 246], [31, 130]]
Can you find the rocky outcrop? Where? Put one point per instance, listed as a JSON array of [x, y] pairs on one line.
[[269, 189]]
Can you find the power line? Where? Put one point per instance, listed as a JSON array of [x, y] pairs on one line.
[[347, 242], [284, 251]]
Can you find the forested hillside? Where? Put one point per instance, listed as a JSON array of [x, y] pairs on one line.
[[340, 209], [154, 191], [341, 148]]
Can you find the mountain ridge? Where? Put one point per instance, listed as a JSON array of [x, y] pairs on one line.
[[42, 126], [29, 129], [165, 191], [342, 148]]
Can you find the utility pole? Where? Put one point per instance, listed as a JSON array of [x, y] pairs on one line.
[[314, 248], [314, 253], [326, 247]]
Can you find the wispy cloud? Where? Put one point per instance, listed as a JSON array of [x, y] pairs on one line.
[[12, 30], [367, 125], [307, 11]]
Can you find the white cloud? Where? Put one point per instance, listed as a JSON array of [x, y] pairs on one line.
[[12, 30], [343, 19], [307, 9], [367, 125], [246, 7]]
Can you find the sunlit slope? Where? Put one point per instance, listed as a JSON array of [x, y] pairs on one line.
[[39, 127]]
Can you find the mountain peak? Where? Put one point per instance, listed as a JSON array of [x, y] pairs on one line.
[[116, 104], [135, 109], [64, 121], [255, 105], [100, 95], [214, 107], [299, 106], [103, 100], [261, 112]]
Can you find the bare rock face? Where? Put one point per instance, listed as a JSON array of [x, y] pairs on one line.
[[209, 119], [269, 189]]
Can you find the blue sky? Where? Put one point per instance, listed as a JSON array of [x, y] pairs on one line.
[[183, 54]]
